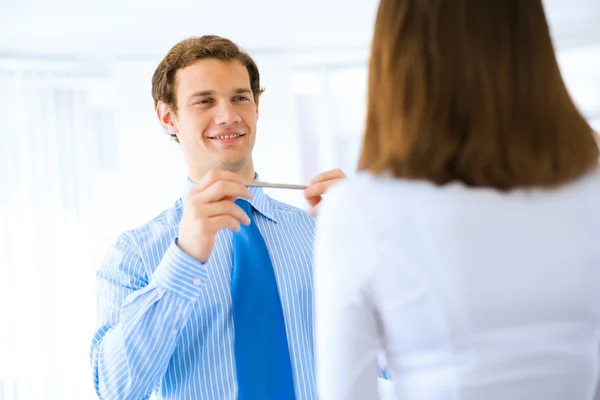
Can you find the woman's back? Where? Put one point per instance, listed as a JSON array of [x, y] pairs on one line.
[[478, 294], [476, 287]]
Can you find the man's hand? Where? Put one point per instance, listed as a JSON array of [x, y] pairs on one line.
[[209, 208], [319, 185]]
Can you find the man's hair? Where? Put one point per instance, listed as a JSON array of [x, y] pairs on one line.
[[189, 51], [470, 91]]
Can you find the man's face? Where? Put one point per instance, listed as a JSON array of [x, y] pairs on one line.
[[216, 117]]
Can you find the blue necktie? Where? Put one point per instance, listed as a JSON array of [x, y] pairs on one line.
[[262, 355]]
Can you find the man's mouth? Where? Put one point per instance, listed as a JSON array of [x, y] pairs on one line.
[[233, 136]]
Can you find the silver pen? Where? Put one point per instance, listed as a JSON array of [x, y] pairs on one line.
[[274, 185]]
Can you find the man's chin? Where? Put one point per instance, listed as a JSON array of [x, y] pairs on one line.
[[232, 165]]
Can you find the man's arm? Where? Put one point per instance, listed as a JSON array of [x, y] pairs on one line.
[[140, 318]]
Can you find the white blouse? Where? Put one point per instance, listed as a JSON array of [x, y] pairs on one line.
[[466, 294]]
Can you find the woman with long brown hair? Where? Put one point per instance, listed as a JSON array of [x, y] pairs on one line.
[[467, 249]]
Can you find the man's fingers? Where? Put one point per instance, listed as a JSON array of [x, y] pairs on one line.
[[224, 189], [214, 176], [313, 201], [223, 208], [319, 186], [317, 189], [224, 222], [327, 175]]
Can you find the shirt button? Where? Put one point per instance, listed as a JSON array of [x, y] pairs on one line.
[[197, 281], [174, 332]]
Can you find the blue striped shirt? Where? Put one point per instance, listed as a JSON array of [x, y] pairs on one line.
[[165, 320]]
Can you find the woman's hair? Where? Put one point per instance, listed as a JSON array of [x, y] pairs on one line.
[[471, 91]]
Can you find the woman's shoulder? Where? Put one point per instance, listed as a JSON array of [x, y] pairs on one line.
[[370, 190], [364, 183]]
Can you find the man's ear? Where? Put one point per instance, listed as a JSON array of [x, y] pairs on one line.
[[166, 117]]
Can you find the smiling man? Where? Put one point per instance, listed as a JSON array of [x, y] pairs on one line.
[[212, 299], [213, 114]]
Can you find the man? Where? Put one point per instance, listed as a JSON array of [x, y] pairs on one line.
[[212, 299]]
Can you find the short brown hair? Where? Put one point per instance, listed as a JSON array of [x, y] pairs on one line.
[[186, 53], [470, 91]]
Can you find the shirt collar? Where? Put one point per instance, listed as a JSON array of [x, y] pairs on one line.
[[260, 201]]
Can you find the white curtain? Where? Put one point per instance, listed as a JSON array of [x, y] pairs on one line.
[[53, 153]]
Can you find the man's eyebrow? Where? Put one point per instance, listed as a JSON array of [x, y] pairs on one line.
[[201, 93]]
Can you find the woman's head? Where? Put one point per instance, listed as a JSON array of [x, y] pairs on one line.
[[470, 91]]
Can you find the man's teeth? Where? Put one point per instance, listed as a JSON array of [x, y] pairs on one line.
[[227, 136]]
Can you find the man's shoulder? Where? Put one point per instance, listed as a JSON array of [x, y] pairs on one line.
[[161, 228]]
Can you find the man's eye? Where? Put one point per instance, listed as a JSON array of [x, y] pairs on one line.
[[204, 101], [242, 98]]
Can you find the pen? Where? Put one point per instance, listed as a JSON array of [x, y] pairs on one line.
[[274, 185]]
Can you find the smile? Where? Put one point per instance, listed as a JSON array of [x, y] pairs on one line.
[[228, 136]]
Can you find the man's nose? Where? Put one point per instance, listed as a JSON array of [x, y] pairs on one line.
[[226, 115]]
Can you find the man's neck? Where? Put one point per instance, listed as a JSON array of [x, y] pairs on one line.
[[247, 173]]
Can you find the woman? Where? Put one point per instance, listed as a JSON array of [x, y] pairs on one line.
[[467, 249]]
